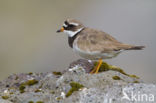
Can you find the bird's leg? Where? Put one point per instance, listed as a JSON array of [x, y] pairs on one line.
[[98, 66], [93, 70], [96, 69]]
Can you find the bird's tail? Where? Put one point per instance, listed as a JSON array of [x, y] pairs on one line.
[[135, 48]]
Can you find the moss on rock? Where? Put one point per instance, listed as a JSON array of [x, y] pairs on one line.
[[21, 88], [107, 67], [31, 82], [74, 87], [5, 97], [57, 73], [27, 83], [116, 77]]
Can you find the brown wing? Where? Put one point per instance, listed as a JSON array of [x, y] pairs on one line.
[[93, 40]]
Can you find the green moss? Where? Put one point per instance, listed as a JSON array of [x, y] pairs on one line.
[[134, 76], [116, 78], [107, 67], [39, 102], [21, 88], [104, 66], [114, 68], [57, 73], [5, 97], [74, 87], [31, 82], [136, 81], [30, 102], [30, 73]]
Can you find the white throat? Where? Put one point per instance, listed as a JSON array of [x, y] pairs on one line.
[[72, 33]]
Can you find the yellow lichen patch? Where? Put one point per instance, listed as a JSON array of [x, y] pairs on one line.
[[107, 67], [116, 77], [74, 87], [5, 97], [57, 73]]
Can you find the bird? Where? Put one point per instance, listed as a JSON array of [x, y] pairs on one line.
[[93, 44]]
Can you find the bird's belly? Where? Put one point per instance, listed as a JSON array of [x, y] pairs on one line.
[[96, 54]]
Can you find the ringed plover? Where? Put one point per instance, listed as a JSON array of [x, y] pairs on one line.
[[93, 44]]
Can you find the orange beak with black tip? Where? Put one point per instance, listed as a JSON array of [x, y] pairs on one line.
[[60, 30]]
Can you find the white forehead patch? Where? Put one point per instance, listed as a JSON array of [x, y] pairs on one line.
[[72, 33]]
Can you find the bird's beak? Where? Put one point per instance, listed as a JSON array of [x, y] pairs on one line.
[[60, 30]]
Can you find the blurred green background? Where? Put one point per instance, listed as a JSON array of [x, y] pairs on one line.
[[29, 42]]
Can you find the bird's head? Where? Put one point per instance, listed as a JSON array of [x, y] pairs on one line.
[[71, 27]]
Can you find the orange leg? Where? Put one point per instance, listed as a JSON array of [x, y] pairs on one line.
[[96, 69]]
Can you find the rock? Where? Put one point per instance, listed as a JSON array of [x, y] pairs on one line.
[[76, 85], [4, 101]]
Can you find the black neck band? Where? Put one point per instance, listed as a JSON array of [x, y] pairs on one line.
[[71, 39]]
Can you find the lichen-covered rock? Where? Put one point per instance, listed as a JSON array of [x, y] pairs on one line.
[[76, 85]]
